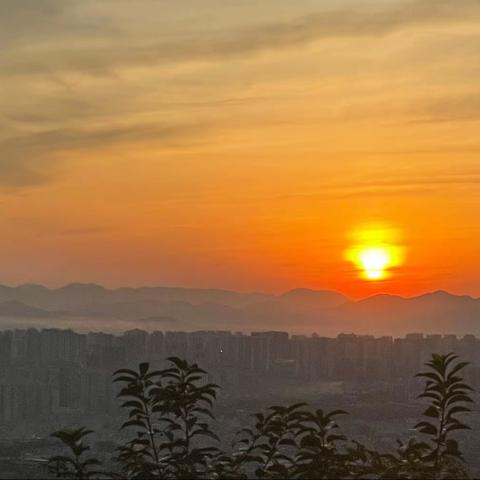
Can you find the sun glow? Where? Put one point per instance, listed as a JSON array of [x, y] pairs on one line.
[[374, 261], [375, 254]]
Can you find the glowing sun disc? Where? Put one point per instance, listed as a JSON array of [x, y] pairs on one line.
[[374, 255], [374, 274], [374, 260]]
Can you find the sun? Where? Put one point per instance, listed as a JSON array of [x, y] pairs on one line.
[[374, 261], [375, 254]]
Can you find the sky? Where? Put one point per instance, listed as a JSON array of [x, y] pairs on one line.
[[240, 144]]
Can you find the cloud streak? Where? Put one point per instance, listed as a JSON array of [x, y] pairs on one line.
[[35, 159], [391, 186], [115, 49], [52, 37], [453, 109]]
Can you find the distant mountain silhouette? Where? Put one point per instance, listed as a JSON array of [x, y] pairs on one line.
[[296, 308], [207, 312], [431, 312], [14, 309], [299, 310], [314, 298], [79, 295]]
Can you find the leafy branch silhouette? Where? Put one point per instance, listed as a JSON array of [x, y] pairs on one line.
[[73, 465], [169, 416]]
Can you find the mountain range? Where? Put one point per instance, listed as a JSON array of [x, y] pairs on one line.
[[93, 307]]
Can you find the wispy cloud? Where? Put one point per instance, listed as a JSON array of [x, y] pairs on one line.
[[49, 38], [34, 159], [452, 109], [92, 46], [382, 186]]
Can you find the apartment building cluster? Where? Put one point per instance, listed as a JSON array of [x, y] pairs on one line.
[[44, 372]]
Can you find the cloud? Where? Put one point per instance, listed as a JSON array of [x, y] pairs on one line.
[[351, 23], [452, 109], [85, 231], [34, 159], [24, 21], [51, 37], [102, 47], [391, 186]]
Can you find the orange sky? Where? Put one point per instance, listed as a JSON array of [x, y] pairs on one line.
[[239, 144]]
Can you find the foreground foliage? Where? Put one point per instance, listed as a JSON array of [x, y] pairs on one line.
[[76, 464], [170, 436]]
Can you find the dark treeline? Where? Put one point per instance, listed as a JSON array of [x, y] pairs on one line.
[[170, 435]]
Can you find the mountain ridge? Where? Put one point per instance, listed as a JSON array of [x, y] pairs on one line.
[[299, 310], [99, 287]]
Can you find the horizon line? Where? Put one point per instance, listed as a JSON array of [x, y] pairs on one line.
[[240, 292]]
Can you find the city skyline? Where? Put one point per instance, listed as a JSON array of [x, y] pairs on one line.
[[71, 370], [55, 377]]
